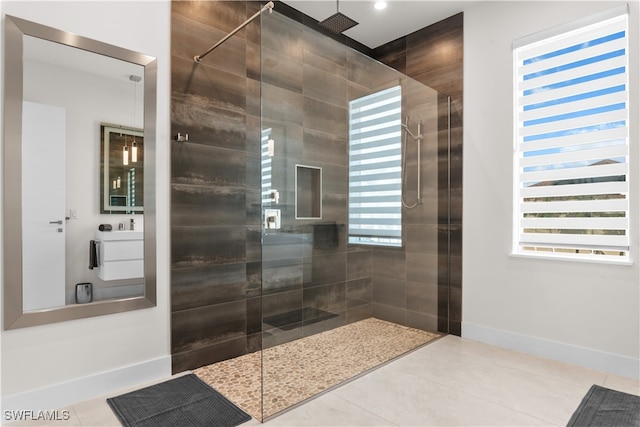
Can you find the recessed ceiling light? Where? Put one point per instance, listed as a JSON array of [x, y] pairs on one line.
[[380, 5]]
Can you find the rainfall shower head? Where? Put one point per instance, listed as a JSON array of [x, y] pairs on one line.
[[338, 22]]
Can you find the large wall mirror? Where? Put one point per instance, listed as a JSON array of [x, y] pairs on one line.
[[79, 177]]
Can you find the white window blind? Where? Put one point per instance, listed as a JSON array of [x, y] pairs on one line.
[[375, 169], [572, 143], [266, 167]]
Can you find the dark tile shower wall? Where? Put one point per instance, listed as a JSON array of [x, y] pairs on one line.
[[307, 265], [216, 202], [215, 185], [432, 56]]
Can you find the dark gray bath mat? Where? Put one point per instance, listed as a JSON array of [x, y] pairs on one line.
[[183, 401], [605, 407]]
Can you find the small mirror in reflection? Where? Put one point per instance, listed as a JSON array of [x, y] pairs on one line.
[[121, 169]]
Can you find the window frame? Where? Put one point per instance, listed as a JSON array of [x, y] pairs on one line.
[[370, 125], [518, 245]]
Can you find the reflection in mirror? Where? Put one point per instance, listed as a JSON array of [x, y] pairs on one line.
[[60, 89], [121, 169]]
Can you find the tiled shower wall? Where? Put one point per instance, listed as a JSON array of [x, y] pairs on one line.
[[216, 217], [215, 185], [432, 56]]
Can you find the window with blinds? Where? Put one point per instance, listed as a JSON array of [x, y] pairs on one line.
[[266, 153], [572, 142], [375, 169]]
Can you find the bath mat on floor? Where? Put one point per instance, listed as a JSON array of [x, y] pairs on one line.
[[605, 407], [183, 401]]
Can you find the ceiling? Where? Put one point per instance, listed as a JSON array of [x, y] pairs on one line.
[[377, 27]]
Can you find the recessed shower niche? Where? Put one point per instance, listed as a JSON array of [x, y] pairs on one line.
[[308, 192]]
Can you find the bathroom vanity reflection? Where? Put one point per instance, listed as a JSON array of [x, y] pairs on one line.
[[60, 90]]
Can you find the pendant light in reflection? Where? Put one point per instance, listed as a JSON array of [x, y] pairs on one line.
[[134, 151], [125, 153], [134, 145]]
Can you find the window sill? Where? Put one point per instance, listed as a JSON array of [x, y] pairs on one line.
[[625, 263]]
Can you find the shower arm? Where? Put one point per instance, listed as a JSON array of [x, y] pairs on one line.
[[269, 6]]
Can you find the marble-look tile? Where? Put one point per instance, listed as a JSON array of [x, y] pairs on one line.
[[410, 400], [626, 385], [546, 397], [328, 410], [571, 374], [96, 413]]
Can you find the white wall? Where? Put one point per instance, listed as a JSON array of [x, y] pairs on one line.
[[45, 367], [582, 313]]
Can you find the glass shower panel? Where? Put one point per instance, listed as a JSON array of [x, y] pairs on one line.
[[332, 310]]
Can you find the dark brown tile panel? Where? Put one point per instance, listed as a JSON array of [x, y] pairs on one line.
[[203, 286], [205, 326], [390, 292], [188, 360], [207, 205], [389, 263], [359, 265], [210, 245]]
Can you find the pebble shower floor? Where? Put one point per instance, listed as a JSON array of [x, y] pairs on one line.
[[301, 369]]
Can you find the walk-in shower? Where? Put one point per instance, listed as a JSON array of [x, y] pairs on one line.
[[343, 197]]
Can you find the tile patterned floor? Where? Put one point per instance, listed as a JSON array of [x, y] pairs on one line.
[[298, 370], [452, 381]]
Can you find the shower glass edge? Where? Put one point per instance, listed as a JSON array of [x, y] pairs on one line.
[[313, 280]]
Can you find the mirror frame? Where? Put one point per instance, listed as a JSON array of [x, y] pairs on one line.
[[14, 316]]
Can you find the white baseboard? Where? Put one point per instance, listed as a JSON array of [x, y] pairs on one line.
[[77, 390], [607, 362]]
